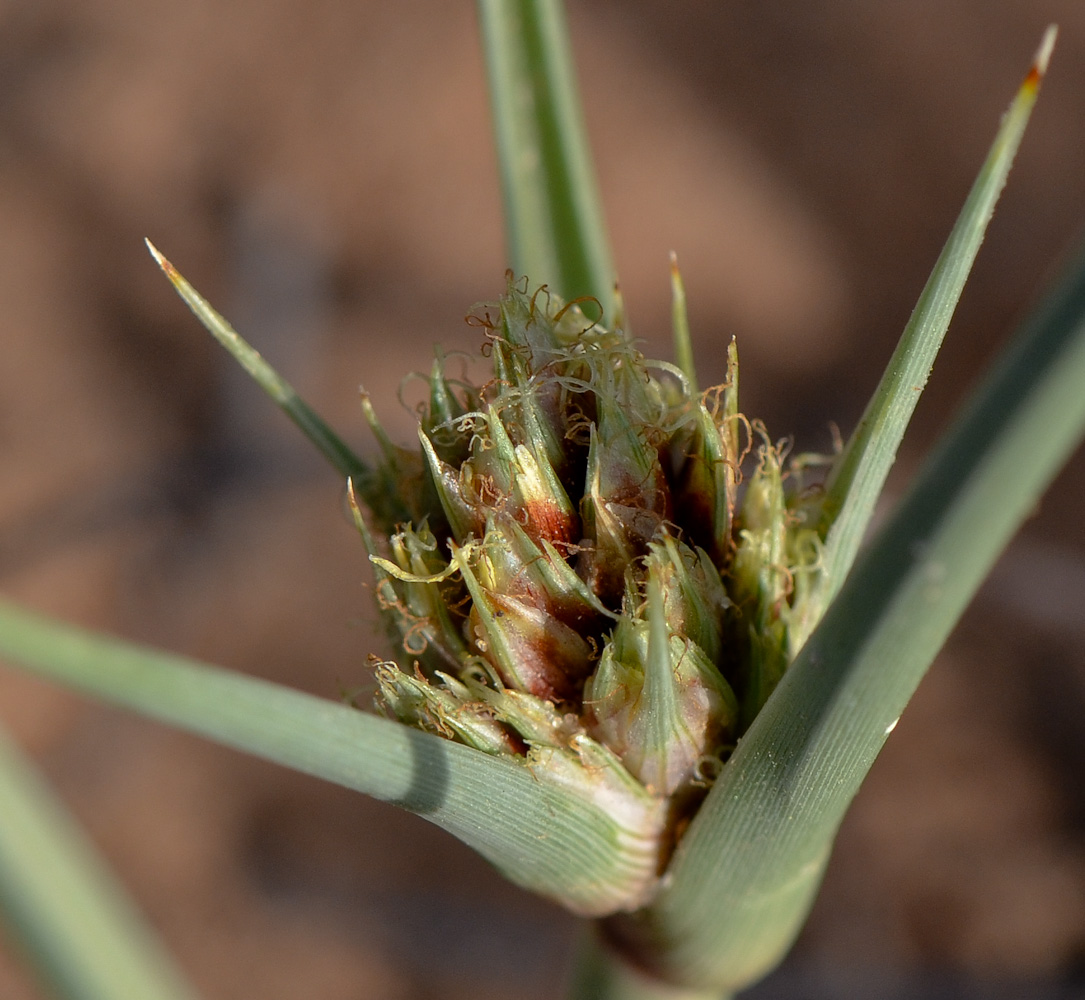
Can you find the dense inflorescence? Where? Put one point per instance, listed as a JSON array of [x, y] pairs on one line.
[[573, 574]]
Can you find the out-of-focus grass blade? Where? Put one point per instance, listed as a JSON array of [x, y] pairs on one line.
[[553, 213], [64, 907], [545, 838], [311, 425], [859, 474], [745, 872]]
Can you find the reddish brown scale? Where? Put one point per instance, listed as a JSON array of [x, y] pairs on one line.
[[546, 521], [552, 660]]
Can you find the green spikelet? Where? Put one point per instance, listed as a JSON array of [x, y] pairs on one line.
[[657, 699]]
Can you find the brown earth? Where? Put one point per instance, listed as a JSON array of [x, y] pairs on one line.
[[323, 172]]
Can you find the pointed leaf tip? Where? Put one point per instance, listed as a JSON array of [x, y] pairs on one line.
[[281, 392], [1043, 53], [178, 280], [1040, 61], [171, 271], [860, 470]]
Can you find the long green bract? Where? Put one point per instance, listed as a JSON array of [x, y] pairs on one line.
[[744, 875], [326, 441], [859, 474], [544, 838]]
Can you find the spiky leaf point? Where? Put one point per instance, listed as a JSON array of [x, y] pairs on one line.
[[683, 346]]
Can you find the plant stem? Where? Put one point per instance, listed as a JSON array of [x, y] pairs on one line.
[[600, 974], [553, 212]]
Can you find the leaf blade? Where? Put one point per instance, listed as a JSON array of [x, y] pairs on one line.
[[857, 478], [745, 874], [327, 442], [542, 835], [74, 919]]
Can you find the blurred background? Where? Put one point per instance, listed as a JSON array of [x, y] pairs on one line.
[[323, 171]]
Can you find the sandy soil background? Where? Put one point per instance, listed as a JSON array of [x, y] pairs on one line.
[[323, 172]]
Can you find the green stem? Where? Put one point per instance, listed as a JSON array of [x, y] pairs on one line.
[[553, 213], [600, 974]]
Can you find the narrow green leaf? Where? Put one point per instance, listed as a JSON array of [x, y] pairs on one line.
[[73, 919], [311, 425], [548, 838], [745, 873], [553, 213], [859, 474]]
